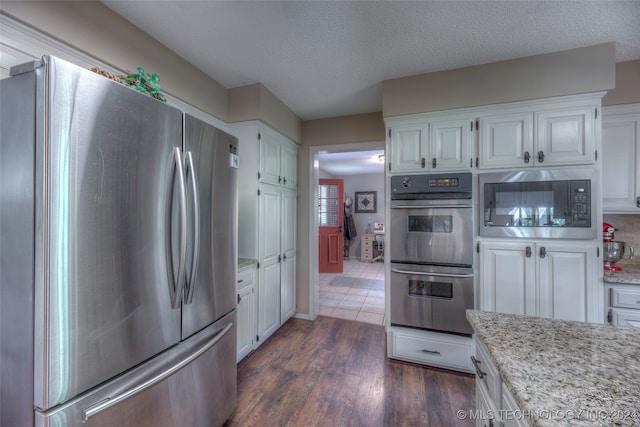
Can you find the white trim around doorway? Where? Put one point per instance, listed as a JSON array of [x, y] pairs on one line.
[[314, 151]]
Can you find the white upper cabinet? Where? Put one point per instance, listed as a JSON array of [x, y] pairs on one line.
[[566, 136], [449, 144], [545, 133], [278, 159], [432, 144], [505, 140], [408, 147], [621, 159]]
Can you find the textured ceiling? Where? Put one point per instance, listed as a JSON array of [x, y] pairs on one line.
[[328, 58]]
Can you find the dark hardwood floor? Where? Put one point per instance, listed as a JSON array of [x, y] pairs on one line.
[[334, 372]]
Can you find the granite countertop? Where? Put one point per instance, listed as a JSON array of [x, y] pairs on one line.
[[245, 262], [563, 372], [629, 274]]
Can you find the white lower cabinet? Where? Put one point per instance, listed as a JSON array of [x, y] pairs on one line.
[[430, 348], [539, 278], [495, 405], [624, 305], [246, 312]]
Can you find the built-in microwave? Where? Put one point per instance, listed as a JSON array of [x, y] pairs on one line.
[[538, 204]]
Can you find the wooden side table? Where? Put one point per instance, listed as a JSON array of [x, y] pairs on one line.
[[366, 247]]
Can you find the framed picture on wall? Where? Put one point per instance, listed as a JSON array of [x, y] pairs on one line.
[[366, 201]]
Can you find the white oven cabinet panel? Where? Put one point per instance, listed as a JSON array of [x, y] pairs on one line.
[[508, 282], [449, 142], [568, 285], [541, 278], [565, 136], [431, 348], [246, 312], [409, 147], [506, 140], [621, 159]]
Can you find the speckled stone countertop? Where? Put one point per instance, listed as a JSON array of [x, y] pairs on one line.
[[245, 262], [565, 373], [630, 274]]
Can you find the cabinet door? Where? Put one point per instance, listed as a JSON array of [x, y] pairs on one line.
[[270, 159], [246, 322], [567, 282], [269, 222], [506, 140], [565, 137], [449, 145], [408, 147], [289, 164], [268, 300], [621, 163], [508, 278], [288, 286]]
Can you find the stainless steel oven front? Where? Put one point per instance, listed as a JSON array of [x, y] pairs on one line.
[[431, 297], [431, 251]]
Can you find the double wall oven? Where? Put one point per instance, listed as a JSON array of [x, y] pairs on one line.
[[431, 252]]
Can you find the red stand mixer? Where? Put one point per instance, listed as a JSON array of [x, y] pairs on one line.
[[613, 250]]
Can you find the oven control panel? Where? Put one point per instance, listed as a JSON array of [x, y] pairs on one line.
[[414, 186]]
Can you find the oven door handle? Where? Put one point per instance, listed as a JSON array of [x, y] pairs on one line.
[[429, 206], [420, 273]]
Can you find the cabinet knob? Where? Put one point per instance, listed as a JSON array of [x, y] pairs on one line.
[[528, 251], [527, 157], [543, 252], [423, 162], [540, 156], [284, 181], [433, 163]]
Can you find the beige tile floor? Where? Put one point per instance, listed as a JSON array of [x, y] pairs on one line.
[[363, 305]]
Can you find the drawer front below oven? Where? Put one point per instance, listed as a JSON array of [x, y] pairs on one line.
[[431, 300]]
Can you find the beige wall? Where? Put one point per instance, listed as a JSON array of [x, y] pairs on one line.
[[93, 28], [574, 71], [256, 102], [627, 90]]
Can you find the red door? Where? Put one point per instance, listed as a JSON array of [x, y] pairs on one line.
[[331, 219]]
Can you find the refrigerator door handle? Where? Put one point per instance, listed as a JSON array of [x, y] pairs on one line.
[[176, 284], [191, 282], [109, 402]]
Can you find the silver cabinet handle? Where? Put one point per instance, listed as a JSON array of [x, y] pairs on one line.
[[191, 282], [540, 156], [543, 252], [420, 273], [105, 404], [424, 350], [176, 284], [528, 252], [527, 157], [638, 202]]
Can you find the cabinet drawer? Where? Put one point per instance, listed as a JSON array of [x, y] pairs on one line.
[[625, 317], [490, 376], [366, 238], [245, 277], [451, 352], [625, 298]]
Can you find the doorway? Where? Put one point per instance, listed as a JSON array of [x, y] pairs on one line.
[[356, 293]]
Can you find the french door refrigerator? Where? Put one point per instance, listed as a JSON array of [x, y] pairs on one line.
[[117, 256]]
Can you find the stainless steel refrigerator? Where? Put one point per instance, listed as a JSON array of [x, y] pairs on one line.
[[117, 256]]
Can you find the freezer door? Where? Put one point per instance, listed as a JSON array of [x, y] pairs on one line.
[[191, 385], [103, 301], [211, 179]]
